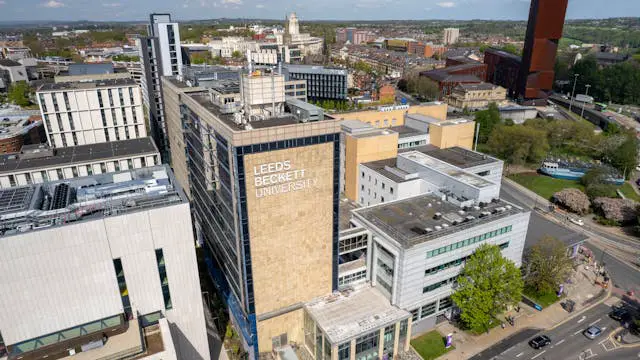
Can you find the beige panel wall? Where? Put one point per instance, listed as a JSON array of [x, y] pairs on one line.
[[291, 232], [377, 118], [291, 323], [453, 135], [362, 150]]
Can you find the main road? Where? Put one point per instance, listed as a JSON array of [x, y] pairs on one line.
[[567, 341]]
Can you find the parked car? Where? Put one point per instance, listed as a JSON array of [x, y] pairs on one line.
[[576, 221], [619, 315], [539, 342], [592, 332]]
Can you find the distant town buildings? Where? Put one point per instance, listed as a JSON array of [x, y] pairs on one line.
[[354, 36], [160, 55], [81, 113], [450, 77], [476, 96], [450, 36], [121, 269]]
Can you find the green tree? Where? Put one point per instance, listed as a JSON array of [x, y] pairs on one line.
[[126, 58], [548, 265], [518, 144], [625, 157], [19, 93], [488, 284], [488, 120], [512, 49], [236, 54], [427, 88]]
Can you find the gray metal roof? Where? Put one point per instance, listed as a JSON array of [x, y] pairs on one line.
[[91, 69], [11, 163], [87, 85]]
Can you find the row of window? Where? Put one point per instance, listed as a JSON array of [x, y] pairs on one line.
[[456, 262], [467, 242], [353, 243], [439, 284], [352, 278], [375, 182], [430, 309]]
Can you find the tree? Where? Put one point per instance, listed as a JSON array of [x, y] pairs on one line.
[[427, 88], [488, 284], [625, 157], [19, 93], [488, 120], [549, 265], [236, 54], [518, 144], [573, 199]]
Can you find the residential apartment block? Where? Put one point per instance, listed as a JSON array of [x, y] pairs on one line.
[[100, 267], [81, 113]]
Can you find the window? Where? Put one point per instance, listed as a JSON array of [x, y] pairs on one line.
[[367, 344], [415, 315], [427, 310], [381, 198], [122, 285], [362, 187], [344, 351], [382, 186], [391, 190], [469, 241], [164, 281]]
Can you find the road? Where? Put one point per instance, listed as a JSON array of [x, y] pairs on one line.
[[410, 99], [567, 341]]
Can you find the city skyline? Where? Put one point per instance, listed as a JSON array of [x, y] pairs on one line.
[[70, 10]]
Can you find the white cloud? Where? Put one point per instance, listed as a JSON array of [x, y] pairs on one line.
[[446, 4], [2, 2], [233, 2], [260, 6], [53, 4], [112, 5]]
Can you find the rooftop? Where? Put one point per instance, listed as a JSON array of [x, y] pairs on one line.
[[57, 203], [419, 219], [90, 69], [504, 54], [405, 131], [476, 87], [9, 63], [383, 168], [446, 169], [28, 159], [87, 85], [351, 313], [345, 208], [314, 69], [18, 126], [460, 157]]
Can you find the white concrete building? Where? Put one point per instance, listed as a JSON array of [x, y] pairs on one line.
[[36, 164], [451, 36], [417, 248], [86, 263], [82, 113], [413, 173]]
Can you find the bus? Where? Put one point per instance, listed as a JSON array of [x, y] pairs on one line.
[[600, 106]]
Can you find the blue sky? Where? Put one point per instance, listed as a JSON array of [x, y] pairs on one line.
[[306, 9]]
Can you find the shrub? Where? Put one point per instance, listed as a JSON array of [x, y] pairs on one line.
[[573, 200]]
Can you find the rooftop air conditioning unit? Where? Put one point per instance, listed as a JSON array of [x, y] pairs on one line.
[[438, 227]]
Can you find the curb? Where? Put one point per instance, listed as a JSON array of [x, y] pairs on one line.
[[573, 316], [618, 345]]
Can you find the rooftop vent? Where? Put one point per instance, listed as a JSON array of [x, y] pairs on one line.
[[508, 207], [438, 227], [461, 212], [470, 218], [437, 216], [428, 230], [476, 208], [444, 226]]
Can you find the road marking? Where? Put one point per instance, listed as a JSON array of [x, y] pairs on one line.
[[577, 332], [595, 322], [523, 353], [560, 342], [539, 354], [582, 319]]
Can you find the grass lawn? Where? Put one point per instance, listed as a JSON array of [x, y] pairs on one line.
[[628, 191], [543, 300], [544, 186], [430, 345]]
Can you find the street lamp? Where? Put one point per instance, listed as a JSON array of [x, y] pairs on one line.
[[586, 93], [574, 90]]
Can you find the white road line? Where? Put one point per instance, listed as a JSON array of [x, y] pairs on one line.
[[595, 322], [577, 332], [520, 354], [539, 354], [582, 319], [560, 342]]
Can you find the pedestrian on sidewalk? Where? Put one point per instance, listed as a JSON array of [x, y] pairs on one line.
[[503, 325]]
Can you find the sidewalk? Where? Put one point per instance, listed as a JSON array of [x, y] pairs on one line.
[[581, 290]]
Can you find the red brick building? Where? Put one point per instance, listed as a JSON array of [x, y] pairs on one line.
[[452, 76]]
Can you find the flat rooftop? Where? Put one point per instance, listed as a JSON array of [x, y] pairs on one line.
[[345, 208], [57, 203], [10, 163], [413, 221], [77, 85], [460, 157], [446, 168], [381, 167], [405, 131], [351, 313], [314, 69]]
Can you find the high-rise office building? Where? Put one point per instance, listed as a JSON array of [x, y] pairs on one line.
[[100, 267], [451, 36], [160, 55], [82, 113], [544, 30], [322, 83]]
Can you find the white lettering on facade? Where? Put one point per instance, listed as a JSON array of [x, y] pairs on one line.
[[278, 178]]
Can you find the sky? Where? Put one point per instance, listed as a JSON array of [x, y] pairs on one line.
[[125, 10]]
